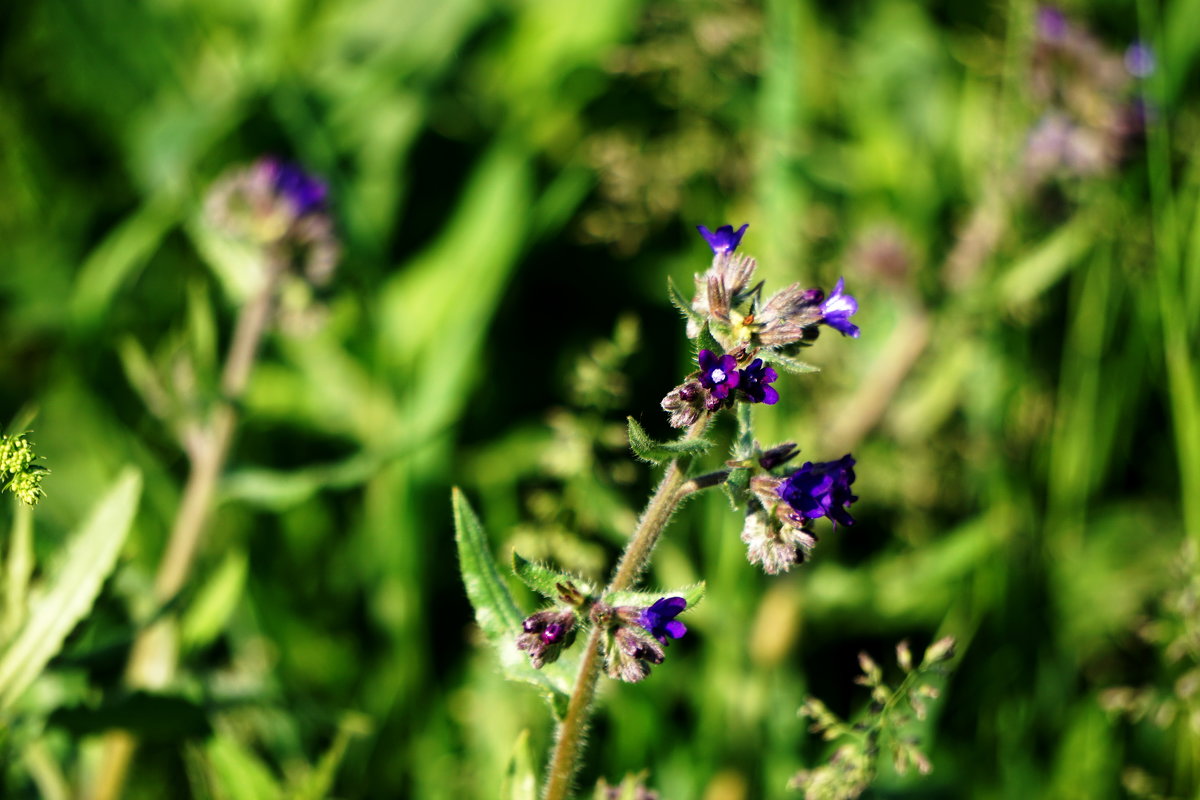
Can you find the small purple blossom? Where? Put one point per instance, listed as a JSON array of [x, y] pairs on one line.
[[725, 240], [659, 619], [546, 634], [1051, 23], [306, 193], [837, 310], [1139, 59], [756, 380], [718, 374], [821, 490]]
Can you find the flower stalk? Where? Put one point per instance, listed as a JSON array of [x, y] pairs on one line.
[[155, 652], [569, 740]]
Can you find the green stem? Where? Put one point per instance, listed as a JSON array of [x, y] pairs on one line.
[[155, 652], [569, 742]]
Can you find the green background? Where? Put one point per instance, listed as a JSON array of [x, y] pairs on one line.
[[509, 180]]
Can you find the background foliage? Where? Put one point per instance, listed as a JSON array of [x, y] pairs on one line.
[[514, 182]]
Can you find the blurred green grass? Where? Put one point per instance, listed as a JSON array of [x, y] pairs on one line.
[[509, 179]]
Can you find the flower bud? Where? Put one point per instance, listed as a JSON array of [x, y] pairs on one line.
[[546, 634], [684, 403], [774, 546]]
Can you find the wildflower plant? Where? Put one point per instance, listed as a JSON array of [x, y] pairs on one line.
[[744, 340], [885, 728]]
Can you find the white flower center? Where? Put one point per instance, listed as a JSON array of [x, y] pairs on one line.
[[718, 375]]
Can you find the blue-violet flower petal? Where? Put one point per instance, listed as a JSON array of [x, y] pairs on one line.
[[837, 310], [725, 240], [821, 490]]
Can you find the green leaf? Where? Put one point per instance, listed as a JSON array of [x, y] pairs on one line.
[[736, 485], [789, 364], [238, 773], [519, 781], [546, 581], [743, 443], [656, 452], [681, 302], [318, 784], [70, 588], [206, 616], [692, 594], [706, 341], [497, 612]]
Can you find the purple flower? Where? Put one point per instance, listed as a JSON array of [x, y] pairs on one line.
[[821, 490], [659, 619], [545, 635], [718, 374], [1139, 59], [837, 310], [1051, 23], [725, 240], [755, 383], [305, 193]]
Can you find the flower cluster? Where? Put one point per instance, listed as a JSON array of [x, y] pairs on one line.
[[275, 203], [717, 385], [735, 314], [1091, 118], [639, 637], [546, 634], [635, 636], [17, 463], [732, 312], [778, 529]]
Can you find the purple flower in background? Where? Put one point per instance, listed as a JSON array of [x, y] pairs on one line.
[[821, 490], [659, 619], [1051, 23], [305, 193], [755, 383], [837, 310], [1139, 59], [725, 240], [718, 374]]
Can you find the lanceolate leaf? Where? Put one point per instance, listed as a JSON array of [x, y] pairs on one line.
[[681, 302], [692, 594], [657, 452], [790, 364], [546, 581], [497, 612], [706, 341], [71, 588], [519, 781]]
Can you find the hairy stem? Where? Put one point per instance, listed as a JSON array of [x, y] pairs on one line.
[[569, 741], [155, 652]]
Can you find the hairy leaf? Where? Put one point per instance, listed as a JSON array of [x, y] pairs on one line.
[[656, 452], [71, 587], [790, 364], [706, 341], [497, 612], [546, 581], [736, 485], [681, 302]]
